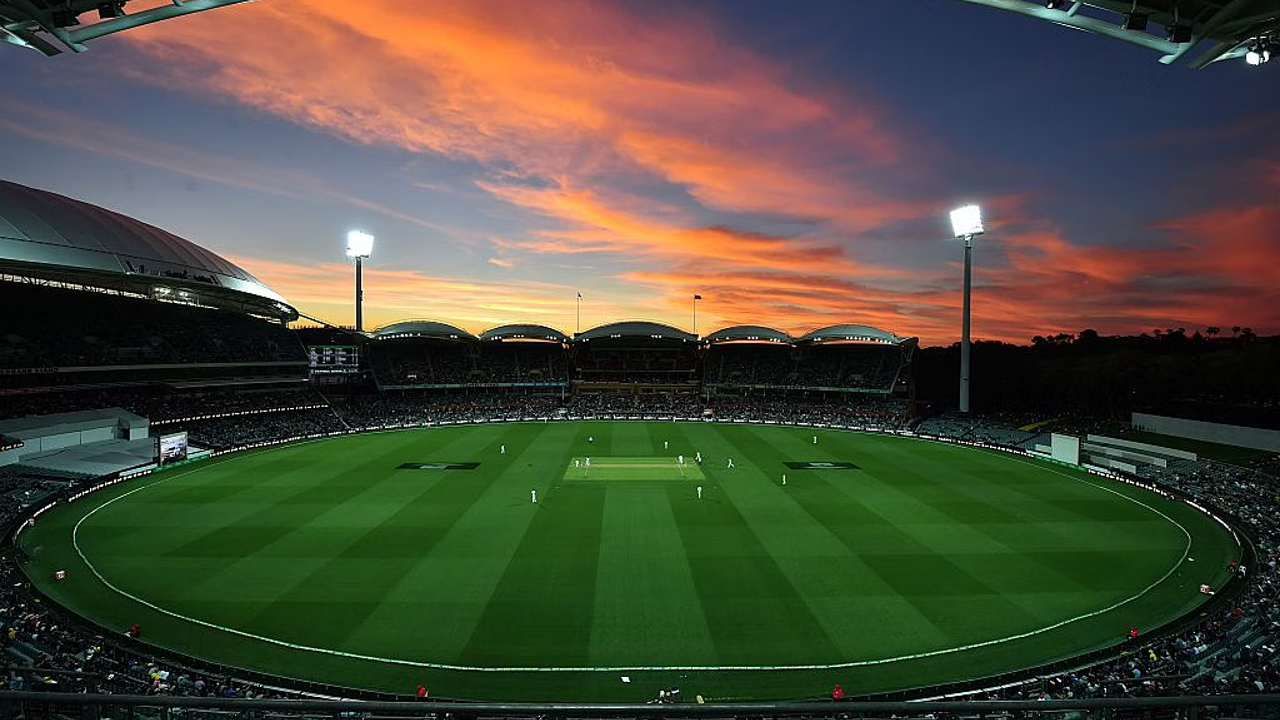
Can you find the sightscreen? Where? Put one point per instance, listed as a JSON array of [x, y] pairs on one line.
[[1066, 448]]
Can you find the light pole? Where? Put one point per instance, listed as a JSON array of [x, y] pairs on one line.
[[966, 222], [577, 328], [359, 248]]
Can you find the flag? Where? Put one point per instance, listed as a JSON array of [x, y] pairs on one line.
[[579, 296], [697, 297]]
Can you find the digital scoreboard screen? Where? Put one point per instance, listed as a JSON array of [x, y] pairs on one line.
[[171, 448], [326, 359]]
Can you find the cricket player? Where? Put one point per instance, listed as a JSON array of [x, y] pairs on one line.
[[665, 444], [680, 459], [815, 439], [730, 463], [784, 478], [502, 449], [699, 492], [587, 462], [533, 496], [698, 457]]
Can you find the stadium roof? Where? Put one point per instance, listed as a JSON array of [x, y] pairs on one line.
[[52, 237], [748, 333], [1225, 29], [37, 24], [422, 329], [850, 333], [524, 332], [636, 329]]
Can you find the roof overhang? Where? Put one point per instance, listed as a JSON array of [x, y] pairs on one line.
[[1224, 28]]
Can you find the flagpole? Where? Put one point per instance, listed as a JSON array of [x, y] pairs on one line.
[[577, 329], [695, 314]]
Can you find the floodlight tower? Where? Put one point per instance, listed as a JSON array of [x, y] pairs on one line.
[[966, 222], [359, 248]]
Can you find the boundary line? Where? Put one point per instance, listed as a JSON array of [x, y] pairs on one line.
[[636, 668]]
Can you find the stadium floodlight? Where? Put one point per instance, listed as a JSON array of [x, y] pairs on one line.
[[359, 244], [966, 222], [359, 248], [1259, 54]]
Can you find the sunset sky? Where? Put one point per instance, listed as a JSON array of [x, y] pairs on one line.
[[791, 162]]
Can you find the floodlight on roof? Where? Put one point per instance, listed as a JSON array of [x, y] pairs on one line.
[[1259, 53], [966, 221], [359, 244]]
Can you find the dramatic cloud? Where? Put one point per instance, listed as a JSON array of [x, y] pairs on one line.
[[673, 159], [393, 295]]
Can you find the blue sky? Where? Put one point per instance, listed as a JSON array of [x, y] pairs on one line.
[[792, 164]]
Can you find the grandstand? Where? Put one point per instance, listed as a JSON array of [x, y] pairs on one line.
[[635, 356], [180, 341]]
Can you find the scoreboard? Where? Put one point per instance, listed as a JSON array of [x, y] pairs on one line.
[[171, 448], [334, 359]]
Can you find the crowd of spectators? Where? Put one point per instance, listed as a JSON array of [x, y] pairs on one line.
[[375, 410], [408, 362], [157, 403], [1232, 648], [381, 409], [239, 430], [45, 651], [869, 367], [124, 331]]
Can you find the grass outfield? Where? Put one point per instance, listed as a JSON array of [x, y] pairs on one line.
[[921, 563]]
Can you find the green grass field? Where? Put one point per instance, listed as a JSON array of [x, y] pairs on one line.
[[921, 563]]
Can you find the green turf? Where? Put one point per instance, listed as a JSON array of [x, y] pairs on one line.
[[371, 576]]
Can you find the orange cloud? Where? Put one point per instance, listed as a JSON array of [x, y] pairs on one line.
[[555, 90], [604, 227], [568, 107]]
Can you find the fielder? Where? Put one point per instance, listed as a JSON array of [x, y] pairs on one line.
[[699, 492], [502, 449], [533, 496], [784, 478], [730, 463]]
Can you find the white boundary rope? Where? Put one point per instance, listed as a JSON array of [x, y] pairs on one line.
[[635, 668]]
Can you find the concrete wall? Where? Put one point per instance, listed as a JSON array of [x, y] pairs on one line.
[[1148, 447], [1097, 449], [1237, 435]]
